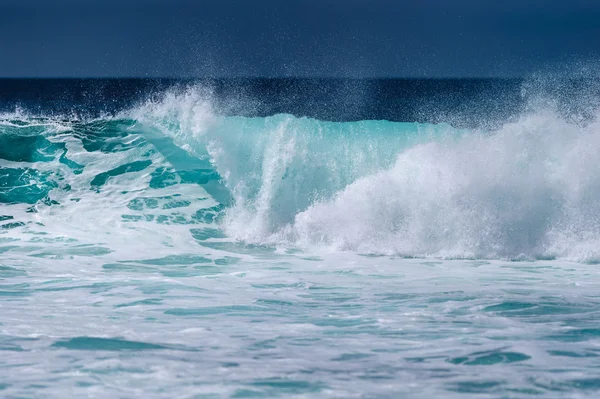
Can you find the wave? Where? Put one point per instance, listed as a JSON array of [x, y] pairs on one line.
[[527, 190]]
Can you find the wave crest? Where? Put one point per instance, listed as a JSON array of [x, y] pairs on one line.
[[527, 190]]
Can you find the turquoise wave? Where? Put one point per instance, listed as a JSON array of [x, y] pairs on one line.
[[527, 190]]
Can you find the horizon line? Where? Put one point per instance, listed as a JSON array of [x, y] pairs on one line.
[[263, 78]]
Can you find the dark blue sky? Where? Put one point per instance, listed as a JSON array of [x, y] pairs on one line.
[[340, 38]]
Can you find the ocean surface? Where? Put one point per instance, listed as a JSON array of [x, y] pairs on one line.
[[297, 238]]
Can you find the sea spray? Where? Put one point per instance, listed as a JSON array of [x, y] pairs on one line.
[[524, 190]]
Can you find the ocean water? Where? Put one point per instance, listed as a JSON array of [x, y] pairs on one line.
[[302, 239]]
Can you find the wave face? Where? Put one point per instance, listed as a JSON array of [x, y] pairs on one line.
[[526, 190]]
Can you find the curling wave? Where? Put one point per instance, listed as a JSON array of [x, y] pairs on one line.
[[527, 190]]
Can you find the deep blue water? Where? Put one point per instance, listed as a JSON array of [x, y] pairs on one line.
[[299, 238], [403, 100]]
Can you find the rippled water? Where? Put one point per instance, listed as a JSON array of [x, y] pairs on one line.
[[226, 321]]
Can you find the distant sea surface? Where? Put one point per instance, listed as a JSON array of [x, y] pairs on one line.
[[299, 238]]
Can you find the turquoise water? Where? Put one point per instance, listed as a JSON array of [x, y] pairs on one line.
[[172, 252]]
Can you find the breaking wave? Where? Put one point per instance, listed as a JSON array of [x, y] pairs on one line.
[[529, 189]]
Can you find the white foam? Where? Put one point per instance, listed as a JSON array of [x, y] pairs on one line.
[[526, 190]]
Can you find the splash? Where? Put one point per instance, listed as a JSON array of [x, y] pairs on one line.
[[526, 190]]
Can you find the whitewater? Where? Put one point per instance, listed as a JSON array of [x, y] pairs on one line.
[[174, 250]]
